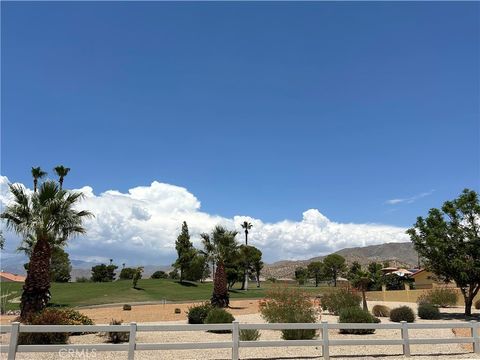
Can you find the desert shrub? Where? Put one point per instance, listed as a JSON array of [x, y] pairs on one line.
[[289, 305], [127, 307], [77, 318], [197, 314], [178, 311], [381, 311], [442, 297], [249, 335], [219, 316], [357, 315], [402, 313], [477, 304], [46, 317], [117, 336], [340, 299], [428, 312]]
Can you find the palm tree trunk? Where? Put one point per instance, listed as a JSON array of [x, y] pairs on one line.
[[35, 182], [36, 291], [60, 181], [364, 300], [245, 271]]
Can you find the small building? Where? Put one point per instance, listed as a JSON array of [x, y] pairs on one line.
[[9, 277], [425, 279]]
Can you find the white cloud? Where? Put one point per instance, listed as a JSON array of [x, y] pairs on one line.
[[140, 227], [410, 199]]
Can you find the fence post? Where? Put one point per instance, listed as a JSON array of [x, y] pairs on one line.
[[325, 346], [12, 347], [132, 340], [235, 340], [405, 338], [476, 340]]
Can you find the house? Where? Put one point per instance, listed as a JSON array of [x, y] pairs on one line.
[[9, 277], [425, 279]]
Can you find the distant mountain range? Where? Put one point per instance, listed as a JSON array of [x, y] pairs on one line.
[[397, 254]]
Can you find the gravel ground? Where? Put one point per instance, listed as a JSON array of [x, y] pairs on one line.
[[421, 352]]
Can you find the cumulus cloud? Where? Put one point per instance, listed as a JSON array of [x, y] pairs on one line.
[[409, 200], [140, 227]]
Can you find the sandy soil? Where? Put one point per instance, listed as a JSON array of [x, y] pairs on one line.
[[249, 315]]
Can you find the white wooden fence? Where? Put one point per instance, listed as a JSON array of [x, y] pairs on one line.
[[235, 344]]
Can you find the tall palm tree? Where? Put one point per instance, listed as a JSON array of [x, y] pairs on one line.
[[50, 216], [61, 171], [37, 173], [246, 226]]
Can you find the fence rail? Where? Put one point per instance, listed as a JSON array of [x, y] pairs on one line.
[[235, 344]]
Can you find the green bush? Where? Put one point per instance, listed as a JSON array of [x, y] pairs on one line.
[[159, 275], [339, 299], [442, 296], [127, 307], [381, 311], [357, 315], [428, 312], [46, 317], [249, 335], [198, 314], [76, 318], [402, 313], [477, 304], [117, 337], [219, 316], [284, 304]]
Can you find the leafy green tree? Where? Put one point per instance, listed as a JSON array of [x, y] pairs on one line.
[[61, 172], [315, 270], [137, 275], [301, 275], [185, 251], [174, 274], [159, 275], [246, 226], [197, 268], [60, 266], [51, 216], [354, 269], [448, 240], [257, 264], [334, 266], [103, 273], [37, 174], [127, 273], [247, 256], [375, 270]]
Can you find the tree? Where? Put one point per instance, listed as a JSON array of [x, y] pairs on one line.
[[208, 251], [334, 266], [361, 280], [127, 273], [173, 274], [247, 255], [224, 251], [185, 251], [60, 266], [2, 240], [37, 173], [354, 269], [197, 268], [137, 275], [257, 264], [375, 270], [301, 275], [159, 275], [246, 226], [315, 270], [61, 172], [448, 240], [50, 216], [103, 273]]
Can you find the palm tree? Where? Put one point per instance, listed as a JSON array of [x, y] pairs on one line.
[[61, 171], [223, 249], [37, 173], [208, 251], [361, 282], [48, 215], [247, 226]]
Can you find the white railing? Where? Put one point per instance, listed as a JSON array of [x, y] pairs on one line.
[[235, 344]]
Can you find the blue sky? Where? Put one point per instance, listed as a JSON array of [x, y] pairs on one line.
[[258, 109]]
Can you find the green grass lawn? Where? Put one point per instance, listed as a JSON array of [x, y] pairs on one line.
[[83, 294]]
